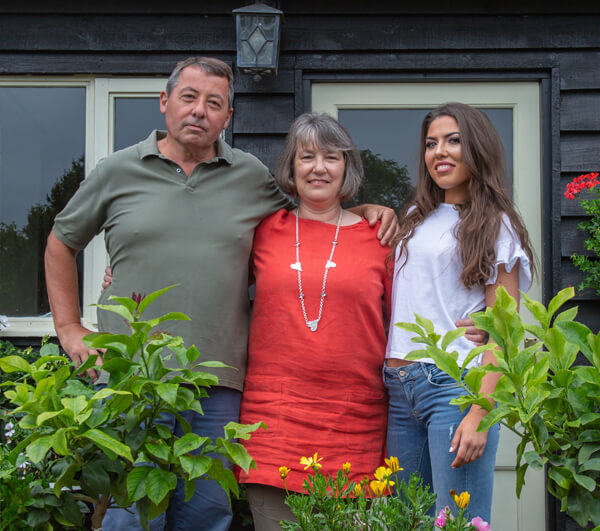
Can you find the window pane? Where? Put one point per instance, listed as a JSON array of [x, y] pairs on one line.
[[135, 118], [42, 145], [389, 144]]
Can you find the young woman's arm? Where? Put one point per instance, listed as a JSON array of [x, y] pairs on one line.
[[468, 443]]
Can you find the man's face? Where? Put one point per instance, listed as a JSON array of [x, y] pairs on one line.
[[196, 111]]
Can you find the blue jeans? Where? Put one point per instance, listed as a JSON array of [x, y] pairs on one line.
[[209, 507], [421, 424]]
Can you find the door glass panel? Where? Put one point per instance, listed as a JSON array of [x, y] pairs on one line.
[[135, 118], [42, 146], [389, 143]]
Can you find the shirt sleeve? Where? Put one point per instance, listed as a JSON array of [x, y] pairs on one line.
[[510, 253], [84, 215], [276, 197]]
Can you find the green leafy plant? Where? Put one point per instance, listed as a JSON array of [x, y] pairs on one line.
[[551, 403], [26, 497], [107, 447], [589, 265], [335, 503]]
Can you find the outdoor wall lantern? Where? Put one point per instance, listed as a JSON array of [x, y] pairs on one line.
[[257, 39]]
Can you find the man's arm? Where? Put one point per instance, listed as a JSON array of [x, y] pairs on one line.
[[374, 213], [61, 281]]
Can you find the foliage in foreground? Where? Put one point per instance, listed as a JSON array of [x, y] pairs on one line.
[[337, 503], [104, 447], [551, 403]]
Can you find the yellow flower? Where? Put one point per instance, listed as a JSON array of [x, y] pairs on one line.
[[311, 462], [383, 474], [394, 464], [357, 490], [346, 468], [461, 501], [378, 487], [284, 471]]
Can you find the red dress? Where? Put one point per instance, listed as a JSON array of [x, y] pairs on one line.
[[316, 391]]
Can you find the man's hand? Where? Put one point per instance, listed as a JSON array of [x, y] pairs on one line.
[[387, 216], [61, 281], [107, 280], [468, 443], [70, 338], [479, 337]]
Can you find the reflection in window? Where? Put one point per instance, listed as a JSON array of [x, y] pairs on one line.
[[42, 142], [385, 182], [135, 118], [389, 143]]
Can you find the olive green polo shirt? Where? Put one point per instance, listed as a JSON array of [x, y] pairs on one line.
[[163, 228]]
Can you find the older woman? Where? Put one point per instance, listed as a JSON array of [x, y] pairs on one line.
[[317, 336]]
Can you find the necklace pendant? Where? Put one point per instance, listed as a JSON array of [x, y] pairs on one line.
[[296, 266], [312, 325]]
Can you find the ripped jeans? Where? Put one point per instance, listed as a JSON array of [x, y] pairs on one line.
[[421, 424]]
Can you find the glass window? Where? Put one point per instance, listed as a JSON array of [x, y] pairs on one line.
[[134, 119], [389, 143], [42, 147]]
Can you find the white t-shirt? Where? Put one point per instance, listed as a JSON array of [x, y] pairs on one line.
[[429, 283]]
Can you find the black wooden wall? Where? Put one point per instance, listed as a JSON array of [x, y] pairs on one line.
[[557, 44]]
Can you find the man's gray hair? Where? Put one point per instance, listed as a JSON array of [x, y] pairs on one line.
[[324, 132], [210, 65]]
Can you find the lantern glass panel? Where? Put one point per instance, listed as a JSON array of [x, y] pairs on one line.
[[266, 54]]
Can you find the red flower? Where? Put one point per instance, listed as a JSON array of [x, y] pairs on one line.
[[582, 182], [137, 297]]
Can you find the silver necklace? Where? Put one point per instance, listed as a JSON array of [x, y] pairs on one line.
[[297, 266]]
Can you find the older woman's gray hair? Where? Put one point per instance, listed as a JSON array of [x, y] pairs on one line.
[[323, 132]]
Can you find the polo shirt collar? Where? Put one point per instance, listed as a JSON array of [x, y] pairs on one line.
[[149, 147]]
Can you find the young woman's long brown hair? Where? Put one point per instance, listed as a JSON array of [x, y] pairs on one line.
[[481, 214]]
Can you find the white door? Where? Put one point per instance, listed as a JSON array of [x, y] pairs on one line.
[[385, 118]]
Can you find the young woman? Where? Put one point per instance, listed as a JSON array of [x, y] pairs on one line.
[[461, 238]]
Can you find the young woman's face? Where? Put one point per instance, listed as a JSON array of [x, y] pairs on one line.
[[444, 161]]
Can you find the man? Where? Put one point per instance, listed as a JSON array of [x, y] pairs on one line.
[[178, 208]]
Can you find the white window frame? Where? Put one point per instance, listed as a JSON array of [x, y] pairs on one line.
[[99, 131]]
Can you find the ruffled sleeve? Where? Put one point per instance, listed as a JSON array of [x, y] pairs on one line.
[[510, 252]]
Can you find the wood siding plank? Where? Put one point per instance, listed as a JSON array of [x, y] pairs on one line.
[[140, 33], [579, 152], [580, 70], [571, 238], [580, 111], [263, 113], [216, 33], [302, 7], [265, 147]]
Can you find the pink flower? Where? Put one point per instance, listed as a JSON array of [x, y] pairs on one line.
[[480, 524], [440, 521]]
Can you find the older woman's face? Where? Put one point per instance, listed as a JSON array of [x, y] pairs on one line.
[[319, 174]]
